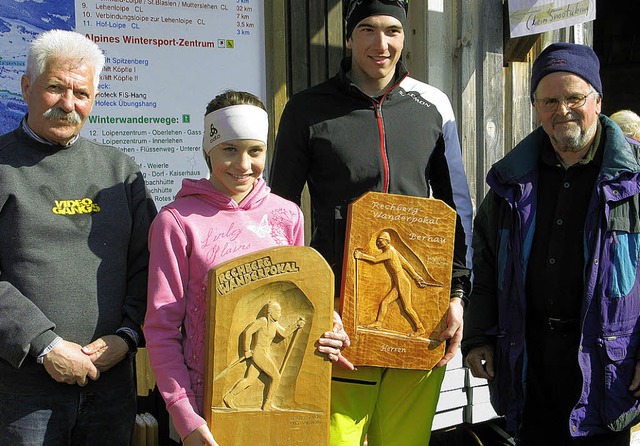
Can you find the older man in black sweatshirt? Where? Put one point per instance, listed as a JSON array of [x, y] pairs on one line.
[[74, 217]]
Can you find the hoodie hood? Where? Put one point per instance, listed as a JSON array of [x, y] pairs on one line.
[[204, 190]]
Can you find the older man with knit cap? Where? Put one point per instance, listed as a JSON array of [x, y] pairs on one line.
[[553, 321]]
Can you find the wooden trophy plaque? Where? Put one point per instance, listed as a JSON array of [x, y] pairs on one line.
[[396, 280], [265, 382]]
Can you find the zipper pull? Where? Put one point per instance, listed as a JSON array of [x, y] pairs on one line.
[[377, 109]]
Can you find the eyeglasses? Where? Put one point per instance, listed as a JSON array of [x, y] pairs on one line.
[[574, 101], [353, 3]]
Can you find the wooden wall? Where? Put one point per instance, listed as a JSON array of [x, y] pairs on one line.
[[462, 47], [305, 45], [616, 40], [458, 46]]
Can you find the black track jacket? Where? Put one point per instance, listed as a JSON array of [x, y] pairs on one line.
[[344, 143]]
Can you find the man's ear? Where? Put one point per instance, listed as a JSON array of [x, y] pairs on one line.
[[25, 84], [535, 112], [598, 105]]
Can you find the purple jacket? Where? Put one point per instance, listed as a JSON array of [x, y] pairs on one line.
[[610, 319]]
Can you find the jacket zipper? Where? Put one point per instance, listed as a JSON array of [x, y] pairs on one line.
[[381, 133], [383, 146]]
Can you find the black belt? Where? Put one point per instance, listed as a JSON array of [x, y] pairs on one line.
[[557, 325]]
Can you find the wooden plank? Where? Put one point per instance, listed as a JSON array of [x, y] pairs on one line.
[[452, 399], [335, 36], [276, 47], [520, 118], [516, 49], [298, 40], [470, 137], [442, 420], [415, 53], [429, 43], [453, 379], [587, 32], [318, 41], [455, 95], [477, 413], [439, 45], [490, 108]]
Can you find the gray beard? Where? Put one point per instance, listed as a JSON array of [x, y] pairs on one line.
[[575, 140]]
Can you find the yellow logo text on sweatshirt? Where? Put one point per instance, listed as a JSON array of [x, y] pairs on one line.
[[73, 207]]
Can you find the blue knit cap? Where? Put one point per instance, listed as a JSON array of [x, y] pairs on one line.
[[570, 57]]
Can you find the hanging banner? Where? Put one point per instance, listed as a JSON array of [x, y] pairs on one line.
[[165, 60], [537, 16]]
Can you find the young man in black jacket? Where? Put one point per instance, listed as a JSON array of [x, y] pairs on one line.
[[374, 128]]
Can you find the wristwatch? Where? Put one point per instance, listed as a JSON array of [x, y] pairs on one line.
[[131, 343], [458, 293]]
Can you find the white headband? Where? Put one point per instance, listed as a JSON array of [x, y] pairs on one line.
[[235, 122]]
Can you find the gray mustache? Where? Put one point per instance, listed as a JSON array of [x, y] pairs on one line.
[[56, 113]]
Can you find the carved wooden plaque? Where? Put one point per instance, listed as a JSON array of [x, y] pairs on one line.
[[266, 384], [396, 279]]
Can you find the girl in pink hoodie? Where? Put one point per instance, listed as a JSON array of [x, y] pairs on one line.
[[211, 221]]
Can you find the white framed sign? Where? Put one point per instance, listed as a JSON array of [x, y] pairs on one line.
[[537, 16]]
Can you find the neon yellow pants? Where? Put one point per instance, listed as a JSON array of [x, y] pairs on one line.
[[391, 407]]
